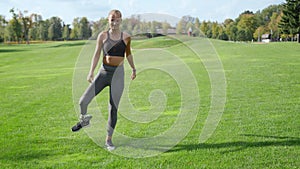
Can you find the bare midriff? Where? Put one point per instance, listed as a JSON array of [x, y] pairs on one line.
[[113, 60]]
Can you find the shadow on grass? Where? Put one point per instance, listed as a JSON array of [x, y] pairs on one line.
[[10, 50], [241, 145], [41, 149]]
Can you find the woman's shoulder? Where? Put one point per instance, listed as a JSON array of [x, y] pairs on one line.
[[102, 35], [126, 35]]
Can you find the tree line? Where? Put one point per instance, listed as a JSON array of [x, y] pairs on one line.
[[23, 27], [280, 22]]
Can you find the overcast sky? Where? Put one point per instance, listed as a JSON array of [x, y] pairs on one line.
[[67, 10]]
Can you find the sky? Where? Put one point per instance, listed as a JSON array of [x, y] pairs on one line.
[[67, 10]]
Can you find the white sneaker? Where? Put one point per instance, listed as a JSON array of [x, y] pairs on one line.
[[109, 145]]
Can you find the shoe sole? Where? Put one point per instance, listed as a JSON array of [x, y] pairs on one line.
[[110, 148]]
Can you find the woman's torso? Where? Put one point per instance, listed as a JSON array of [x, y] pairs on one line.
[[114, 50]]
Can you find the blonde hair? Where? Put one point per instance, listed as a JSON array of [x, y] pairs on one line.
[[115, 12]]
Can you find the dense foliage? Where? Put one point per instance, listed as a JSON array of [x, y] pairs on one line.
[[290, 21], [279, 22]]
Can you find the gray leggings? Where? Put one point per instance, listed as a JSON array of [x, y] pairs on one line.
[[112, 76]]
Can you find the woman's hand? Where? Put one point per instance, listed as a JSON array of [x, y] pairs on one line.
[[90, 77], [133, 75]]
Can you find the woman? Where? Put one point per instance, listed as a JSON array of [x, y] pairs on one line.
[[115, 44]]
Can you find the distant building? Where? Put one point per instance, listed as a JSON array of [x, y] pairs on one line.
[[266, 38], [170, 31]]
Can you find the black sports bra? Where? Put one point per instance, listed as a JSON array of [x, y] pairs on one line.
[[114, 47]]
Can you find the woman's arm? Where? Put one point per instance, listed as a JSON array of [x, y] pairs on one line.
[[96, 57], [130, 58]]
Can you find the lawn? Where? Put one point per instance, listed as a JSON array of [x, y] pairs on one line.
[[258, 128]]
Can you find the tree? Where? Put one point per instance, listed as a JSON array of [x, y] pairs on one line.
[[75, 31], [233, 32], [66, 32], [84, 31], [128, 25], [209, 33], [165, 27], [197, 23], [273, 25], [237, 20], [51, 30], [26, 24], [43, 30], [33, 33], [246, 26], [243, 35], [204, 28], [9, 34], [135, 30], [55, 29], [3, 23], [215, 30], [36, 20], [222, 33], [290, 21], [228, 23], [133, 24], [153, 27], [264, 17], [14, 28], [196, 30], [180, 26], [144, 27], [99, 26], [260, 31]]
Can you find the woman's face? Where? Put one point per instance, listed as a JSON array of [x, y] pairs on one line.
[[114, 22]]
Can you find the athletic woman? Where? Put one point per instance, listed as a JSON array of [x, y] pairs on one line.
[[116, 46]]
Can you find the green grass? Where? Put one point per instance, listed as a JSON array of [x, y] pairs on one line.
[[161, 42], [259, 127]]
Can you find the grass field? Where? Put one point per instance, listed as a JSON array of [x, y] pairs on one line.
[[260, 126]]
